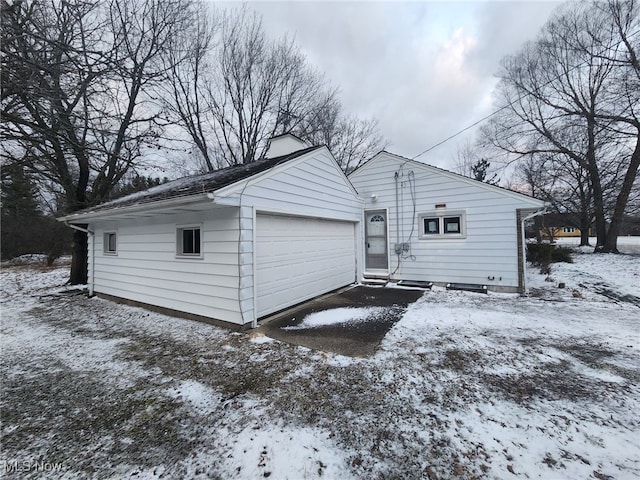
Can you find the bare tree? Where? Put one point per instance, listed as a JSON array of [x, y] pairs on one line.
[[351, 140], [77, 93], [568, 97], [465, 157], [260, 88], [190, 84], [235, 88], [623, 106], [470, 162]]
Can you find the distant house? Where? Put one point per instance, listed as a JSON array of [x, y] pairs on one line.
[[558, 225], [630, 226], [241, 243]]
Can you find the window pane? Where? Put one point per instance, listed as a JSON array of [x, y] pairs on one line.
[[431, 226], [112, 242], [109, 243], [191, 241], [452, 225], [187, 241], [196, 240]]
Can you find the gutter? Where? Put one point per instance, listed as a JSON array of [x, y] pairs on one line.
[[129, 209], [524, 245], [93, 250]]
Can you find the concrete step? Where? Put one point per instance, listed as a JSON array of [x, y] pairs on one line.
[[374, 281]]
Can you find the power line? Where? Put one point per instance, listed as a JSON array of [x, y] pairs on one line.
[[462, 131], [520, 97]]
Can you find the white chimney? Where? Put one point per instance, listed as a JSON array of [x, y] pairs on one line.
[[284, 145]]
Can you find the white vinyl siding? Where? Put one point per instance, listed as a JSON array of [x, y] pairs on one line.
[[147, 269], [486, 249], [309, 188]]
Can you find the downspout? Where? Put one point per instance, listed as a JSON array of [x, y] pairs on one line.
[[93, 252], [254, 320], [397, 210], [524, 245]]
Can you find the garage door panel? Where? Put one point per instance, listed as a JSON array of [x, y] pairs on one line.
[[302, 257], [299, 258]]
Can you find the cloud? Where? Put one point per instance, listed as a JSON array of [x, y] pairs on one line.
[[425, 70], [451, 63]]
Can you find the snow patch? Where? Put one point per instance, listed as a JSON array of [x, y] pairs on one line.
[[200, 396], [284, 452], [337, 316], [260, 339]]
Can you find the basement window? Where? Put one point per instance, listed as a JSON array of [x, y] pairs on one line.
[[110, 243], [442, 224], [189, 241]]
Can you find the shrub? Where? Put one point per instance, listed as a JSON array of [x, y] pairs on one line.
[[543, 254]]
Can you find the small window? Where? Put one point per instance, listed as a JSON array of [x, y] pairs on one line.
[[189, 243], [377, 218], [431, 226], [440, 225], [110, 243], [569, 229]]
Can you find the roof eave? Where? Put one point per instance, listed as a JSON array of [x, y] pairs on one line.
[[155, 206]]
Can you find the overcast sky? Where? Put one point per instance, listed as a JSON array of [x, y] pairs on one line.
[[424, 69]]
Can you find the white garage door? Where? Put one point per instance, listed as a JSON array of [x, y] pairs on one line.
[[300, 258]]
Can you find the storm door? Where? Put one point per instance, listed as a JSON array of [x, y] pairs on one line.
[[376, 240]]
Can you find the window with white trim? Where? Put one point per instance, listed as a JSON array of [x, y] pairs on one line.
[[189, 242], [110, 243], [445, 224]]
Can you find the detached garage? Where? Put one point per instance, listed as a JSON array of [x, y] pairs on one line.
[[233, 245]]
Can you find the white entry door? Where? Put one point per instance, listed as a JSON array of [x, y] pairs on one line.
[[376, 240], [298, 258]]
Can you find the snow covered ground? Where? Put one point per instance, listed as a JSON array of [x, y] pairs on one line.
[[464, 386]]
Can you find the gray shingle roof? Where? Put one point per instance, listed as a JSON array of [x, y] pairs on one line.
[[205, 183]]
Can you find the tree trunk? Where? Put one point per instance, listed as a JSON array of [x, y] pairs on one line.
[[611, 244], [79, 257], [584, 229], [584, 221], [594, 175]]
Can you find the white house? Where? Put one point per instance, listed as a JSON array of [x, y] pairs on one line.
[[233, 245], [244, 242], [425, 224]]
